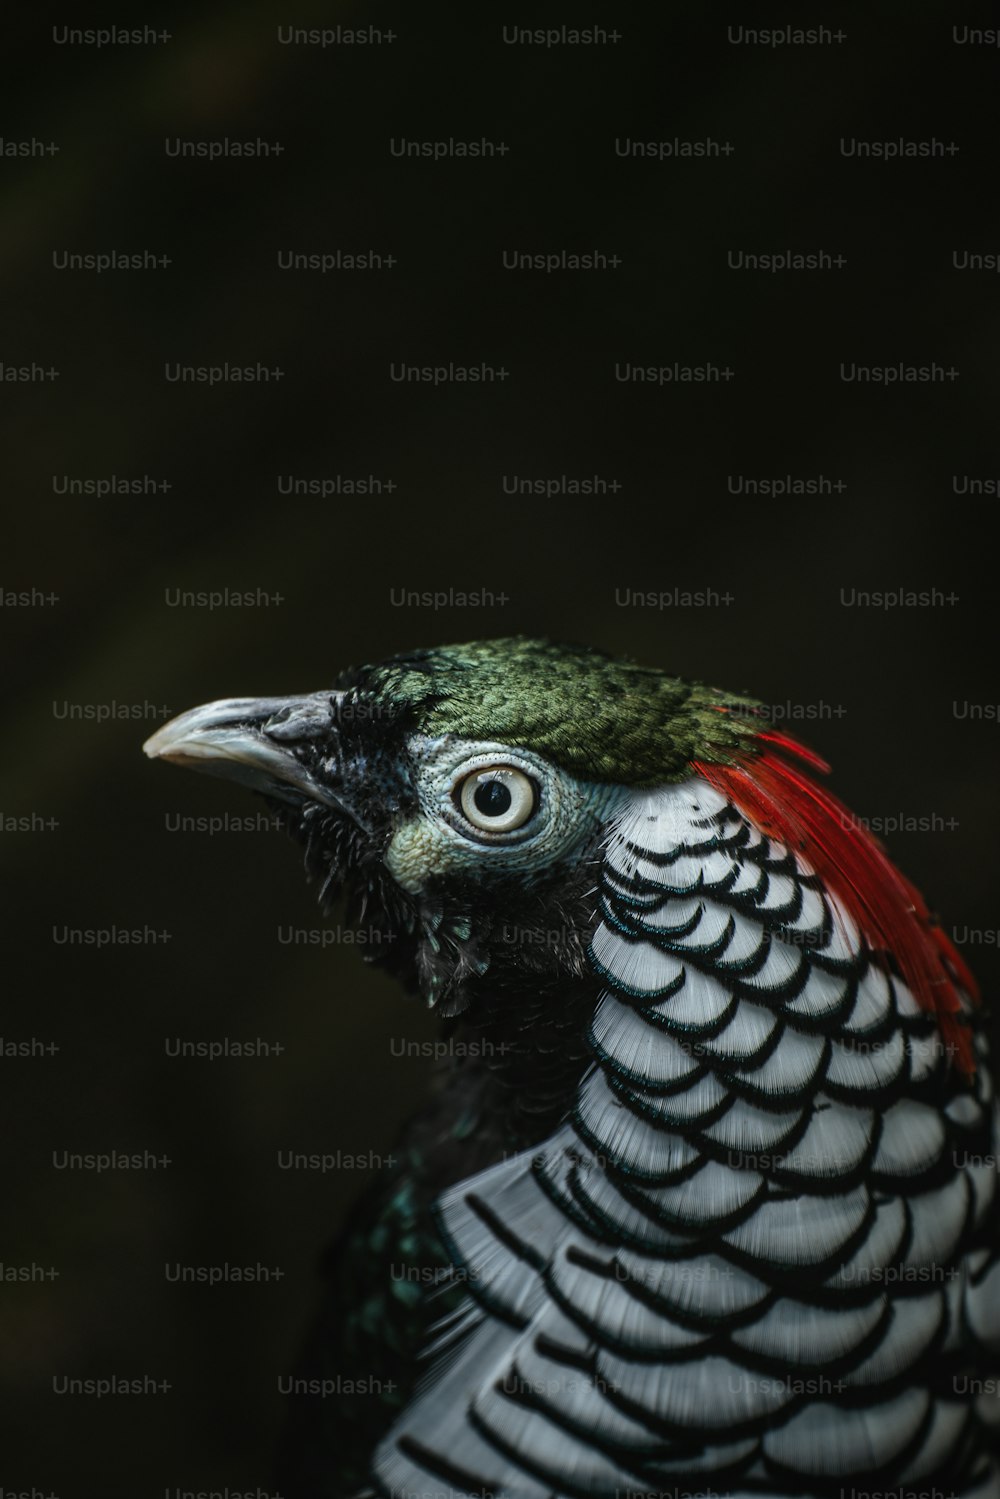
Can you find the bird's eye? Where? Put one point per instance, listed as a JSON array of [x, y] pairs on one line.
[[497, 798]]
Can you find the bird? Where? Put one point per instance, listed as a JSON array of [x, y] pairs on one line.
[[704, 1198]]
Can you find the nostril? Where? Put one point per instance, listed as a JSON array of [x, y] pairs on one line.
[[299, 721], [282, 716]]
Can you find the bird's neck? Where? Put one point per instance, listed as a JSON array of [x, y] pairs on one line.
[[515, 1062]]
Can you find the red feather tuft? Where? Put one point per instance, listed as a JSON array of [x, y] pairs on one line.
[[786, 805]]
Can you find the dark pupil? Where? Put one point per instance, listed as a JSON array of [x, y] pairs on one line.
[[492, 798]]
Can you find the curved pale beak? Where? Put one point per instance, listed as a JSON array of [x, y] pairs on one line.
[[252, 740]]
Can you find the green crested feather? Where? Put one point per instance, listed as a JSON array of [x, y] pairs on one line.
[[598, 717]]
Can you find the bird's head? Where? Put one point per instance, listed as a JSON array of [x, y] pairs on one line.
[[458, 797]]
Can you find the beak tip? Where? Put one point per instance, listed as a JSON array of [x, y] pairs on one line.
[[200, 731], [168, 743]]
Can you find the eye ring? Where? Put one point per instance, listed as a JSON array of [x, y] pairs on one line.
[[496, 798]]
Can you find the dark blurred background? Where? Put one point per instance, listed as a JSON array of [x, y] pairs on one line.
[[898, 698]]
